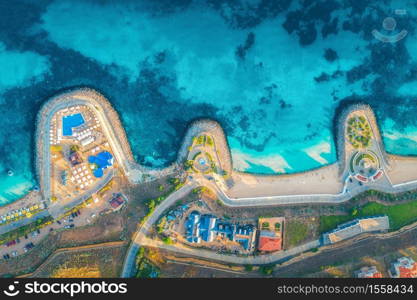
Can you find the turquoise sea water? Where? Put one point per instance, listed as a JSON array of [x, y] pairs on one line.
[[271, 72]]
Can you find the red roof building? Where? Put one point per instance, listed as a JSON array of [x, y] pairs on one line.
[[269, 244], [117, 201], [404, 267], [270, 234]]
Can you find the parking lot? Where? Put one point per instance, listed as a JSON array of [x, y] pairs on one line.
[[82, 217]]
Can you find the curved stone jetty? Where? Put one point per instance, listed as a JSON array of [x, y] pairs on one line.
[[108, 118], [329, 184]]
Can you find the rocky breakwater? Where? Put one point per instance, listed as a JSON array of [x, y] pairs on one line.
[[106, 114], [341, 127]]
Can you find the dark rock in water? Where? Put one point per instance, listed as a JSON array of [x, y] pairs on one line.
[[330, 55], [242, 49], [307, 34]]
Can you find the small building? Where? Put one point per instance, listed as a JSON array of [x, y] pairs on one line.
[[117, 201], [192, 225], [356, 227], [368, 272], [270, 234], [404, 267], [245, 235], [75, 158], [208, 227], [87, 141]]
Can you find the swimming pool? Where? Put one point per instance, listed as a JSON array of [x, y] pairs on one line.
[[70, 122], [102, 160]]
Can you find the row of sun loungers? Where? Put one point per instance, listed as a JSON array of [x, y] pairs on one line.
[[81, 177], [18, 213]]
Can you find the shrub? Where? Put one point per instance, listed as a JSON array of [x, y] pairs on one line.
[[248, 268], [266, 270]]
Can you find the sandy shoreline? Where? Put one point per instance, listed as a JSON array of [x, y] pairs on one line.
[[324, 180]]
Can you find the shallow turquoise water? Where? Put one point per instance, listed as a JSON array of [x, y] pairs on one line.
[[272, 73]]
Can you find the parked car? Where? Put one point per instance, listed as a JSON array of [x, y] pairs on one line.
[[6, 256], [71, 226], [28, 246], [11, 243], [14, 253]]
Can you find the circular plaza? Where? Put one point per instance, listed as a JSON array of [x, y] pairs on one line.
[[365, 166]]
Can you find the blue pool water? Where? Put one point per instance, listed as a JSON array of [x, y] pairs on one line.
[[70, 122], [102, 161], [271, 72]]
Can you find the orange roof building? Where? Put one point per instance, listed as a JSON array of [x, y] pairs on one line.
[[269, 244], [404, 267], [369, 272], [270, 236]]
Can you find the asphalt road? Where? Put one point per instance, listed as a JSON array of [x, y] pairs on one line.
[[140, 239]]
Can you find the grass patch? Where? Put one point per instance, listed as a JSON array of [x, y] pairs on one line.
[[328, 223], [266, 270], [399, 215], [145, 269], [296, 233]]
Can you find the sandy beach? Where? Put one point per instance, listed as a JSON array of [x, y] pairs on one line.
[[403, 169], [320, 181]]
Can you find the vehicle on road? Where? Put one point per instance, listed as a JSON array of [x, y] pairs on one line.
[[11, 243], [29, 246]]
